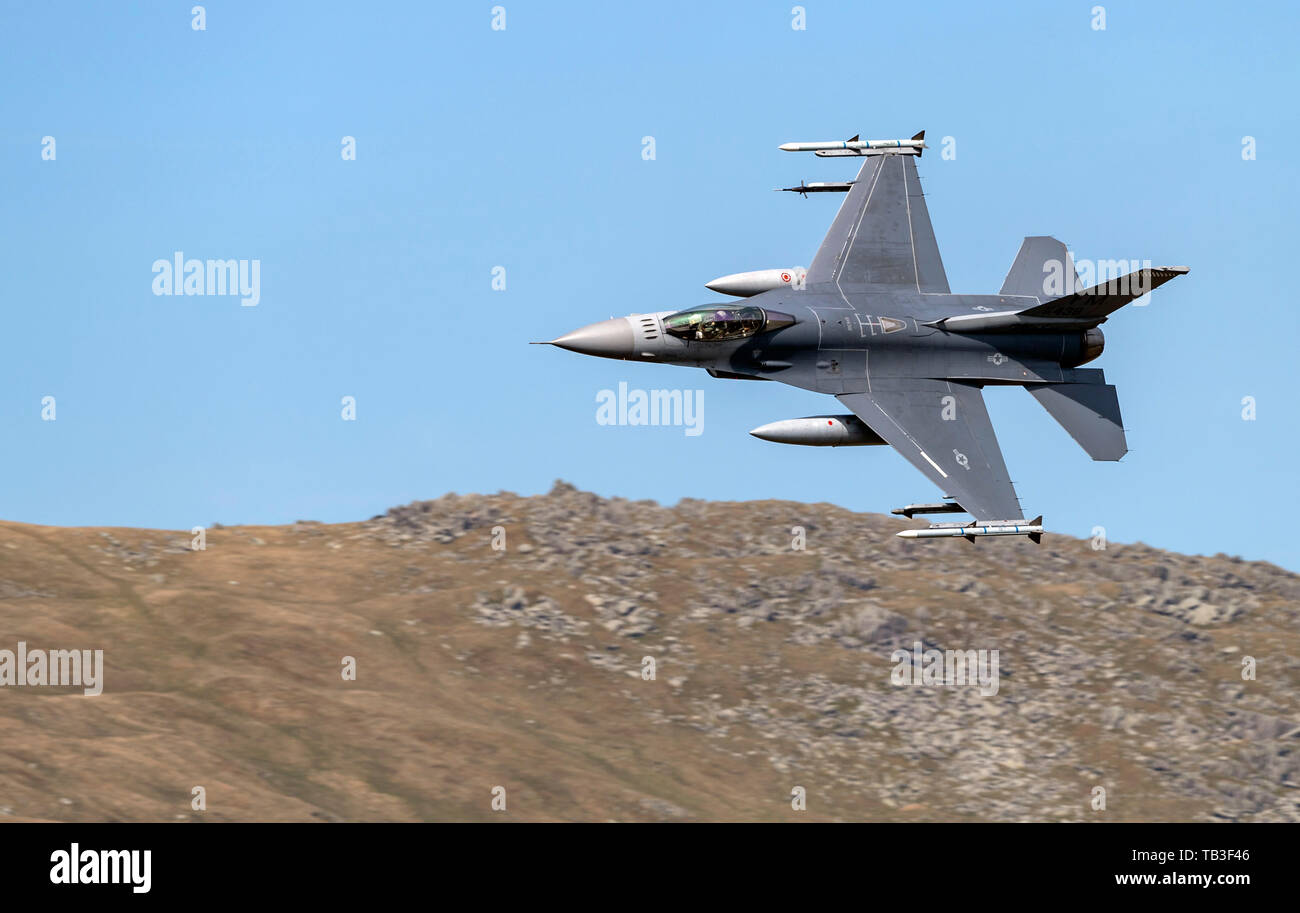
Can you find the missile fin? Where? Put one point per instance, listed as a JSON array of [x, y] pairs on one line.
[[1036, 538]]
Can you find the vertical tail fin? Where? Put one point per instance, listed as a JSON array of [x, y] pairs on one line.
[[1042, 269]]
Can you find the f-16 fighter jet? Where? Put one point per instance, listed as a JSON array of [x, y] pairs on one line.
[[873, 323]]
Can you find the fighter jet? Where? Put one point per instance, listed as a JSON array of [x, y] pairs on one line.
[[874, 324]]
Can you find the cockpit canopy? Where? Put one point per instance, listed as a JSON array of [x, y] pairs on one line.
[[713, 323]]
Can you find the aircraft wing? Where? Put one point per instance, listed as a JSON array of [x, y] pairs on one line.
[[951, 440], [882, 234]]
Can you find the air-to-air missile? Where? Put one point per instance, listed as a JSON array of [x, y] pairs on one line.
[[817, 187], [819, 431], [911, 510], [746, 285], [857, 146], [1033, 529]]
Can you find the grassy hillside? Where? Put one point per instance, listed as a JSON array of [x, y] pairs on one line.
[[522, 668]]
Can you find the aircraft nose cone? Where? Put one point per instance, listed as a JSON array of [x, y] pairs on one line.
[[607, 339]]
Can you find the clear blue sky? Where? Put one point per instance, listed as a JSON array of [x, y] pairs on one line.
[[522, 148]]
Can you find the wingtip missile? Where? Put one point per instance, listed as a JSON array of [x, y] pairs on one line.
[[857, 146], [971, 531]]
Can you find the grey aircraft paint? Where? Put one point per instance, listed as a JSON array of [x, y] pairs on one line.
[[876, 325]]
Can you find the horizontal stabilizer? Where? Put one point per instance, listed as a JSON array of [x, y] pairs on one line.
[[1089, 412], [1078, 311], [1093, 305]]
